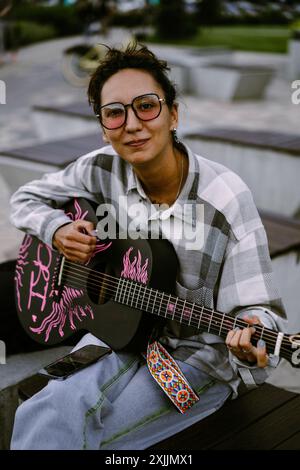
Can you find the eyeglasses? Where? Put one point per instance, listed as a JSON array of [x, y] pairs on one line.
[[145, 107]]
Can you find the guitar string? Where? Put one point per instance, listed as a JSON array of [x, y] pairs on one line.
[[272, 335], [212, 327], [207, 311]]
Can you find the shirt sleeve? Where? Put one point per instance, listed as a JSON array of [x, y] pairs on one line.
[[35, 207], [247, 284]]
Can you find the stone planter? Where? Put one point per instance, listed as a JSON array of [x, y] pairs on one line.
[[229, 82], [294, 59]]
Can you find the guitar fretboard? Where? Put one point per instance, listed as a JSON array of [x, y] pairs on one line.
[[188, 313], [170, 307]]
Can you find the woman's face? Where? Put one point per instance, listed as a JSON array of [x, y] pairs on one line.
[[138, 142]]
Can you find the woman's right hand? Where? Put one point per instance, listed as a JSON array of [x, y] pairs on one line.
[[74, 242]]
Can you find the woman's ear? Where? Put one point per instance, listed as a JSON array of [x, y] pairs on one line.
[[174, 116], [105, 138]]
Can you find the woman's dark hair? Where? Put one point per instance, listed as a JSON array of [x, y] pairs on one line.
[[135, 56]]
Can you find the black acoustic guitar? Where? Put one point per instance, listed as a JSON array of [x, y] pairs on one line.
[[113, 294]]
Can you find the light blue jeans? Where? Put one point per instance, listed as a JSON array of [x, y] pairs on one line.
[[112, 404]]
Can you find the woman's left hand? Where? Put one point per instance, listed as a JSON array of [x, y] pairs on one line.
[[239, 343]]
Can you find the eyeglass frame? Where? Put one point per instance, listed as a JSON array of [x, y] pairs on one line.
[[160, 100]]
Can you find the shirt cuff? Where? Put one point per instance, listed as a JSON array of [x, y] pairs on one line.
[[54, 225], [252, 375]]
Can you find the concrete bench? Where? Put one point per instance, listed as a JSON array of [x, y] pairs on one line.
[[184, 61], [228, 82], [18, 166], [18, 368], [265, 418], [215, 73], [58, 122], [284, 245], [269, 162]]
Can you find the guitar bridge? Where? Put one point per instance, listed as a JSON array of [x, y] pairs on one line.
[[57, 276], [61, 271]]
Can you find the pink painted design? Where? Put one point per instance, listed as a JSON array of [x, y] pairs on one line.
[[65, 309], [99, 247], [21, 262], [42, 276], [34, 318], [171, 307], [79, 214], [133, 269], [186, 313]]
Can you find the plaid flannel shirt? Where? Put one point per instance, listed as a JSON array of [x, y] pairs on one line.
[[230, 272]]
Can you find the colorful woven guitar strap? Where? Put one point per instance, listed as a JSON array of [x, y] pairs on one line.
[[169, 377]]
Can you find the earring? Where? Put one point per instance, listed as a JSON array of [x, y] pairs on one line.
[[105, 138], [175, 136]]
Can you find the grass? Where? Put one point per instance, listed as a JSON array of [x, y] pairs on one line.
[[245, 38]]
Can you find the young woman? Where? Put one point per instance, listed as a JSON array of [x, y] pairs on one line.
[[116, 403]]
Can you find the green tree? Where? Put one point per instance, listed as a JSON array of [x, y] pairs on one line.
[[209, 12], [172, 21]]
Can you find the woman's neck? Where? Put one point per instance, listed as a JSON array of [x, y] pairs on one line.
[[163, 180]]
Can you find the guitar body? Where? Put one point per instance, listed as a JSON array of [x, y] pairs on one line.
[[53, 303]]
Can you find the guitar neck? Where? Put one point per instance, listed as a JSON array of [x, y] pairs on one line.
[[170, 307], [191, 314]]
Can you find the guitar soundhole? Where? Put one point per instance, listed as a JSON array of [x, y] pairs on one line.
[[99, 287]]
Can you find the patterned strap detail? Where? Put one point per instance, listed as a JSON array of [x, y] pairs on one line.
[[169, 377]]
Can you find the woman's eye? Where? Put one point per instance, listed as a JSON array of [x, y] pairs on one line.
[[111, 113], [145, 106]]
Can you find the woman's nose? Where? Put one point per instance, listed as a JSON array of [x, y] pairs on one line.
[[133, 123]]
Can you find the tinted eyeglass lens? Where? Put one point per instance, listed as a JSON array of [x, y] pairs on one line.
[[113, 115], [147, 107]]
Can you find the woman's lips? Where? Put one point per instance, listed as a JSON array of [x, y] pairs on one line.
[[137, 143]]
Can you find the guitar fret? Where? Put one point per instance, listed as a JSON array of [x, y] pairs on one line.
[[132, 297], [121, 291], [175, 306], [148, 299], [191, 315], [129, 286], [159, 308], [211, 316], [117, 291], [138, 296], [200, 318], [167, 304], [145, 288], [154, 301], [182, 311], [262, 332], [220, 330], [234, 323]]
